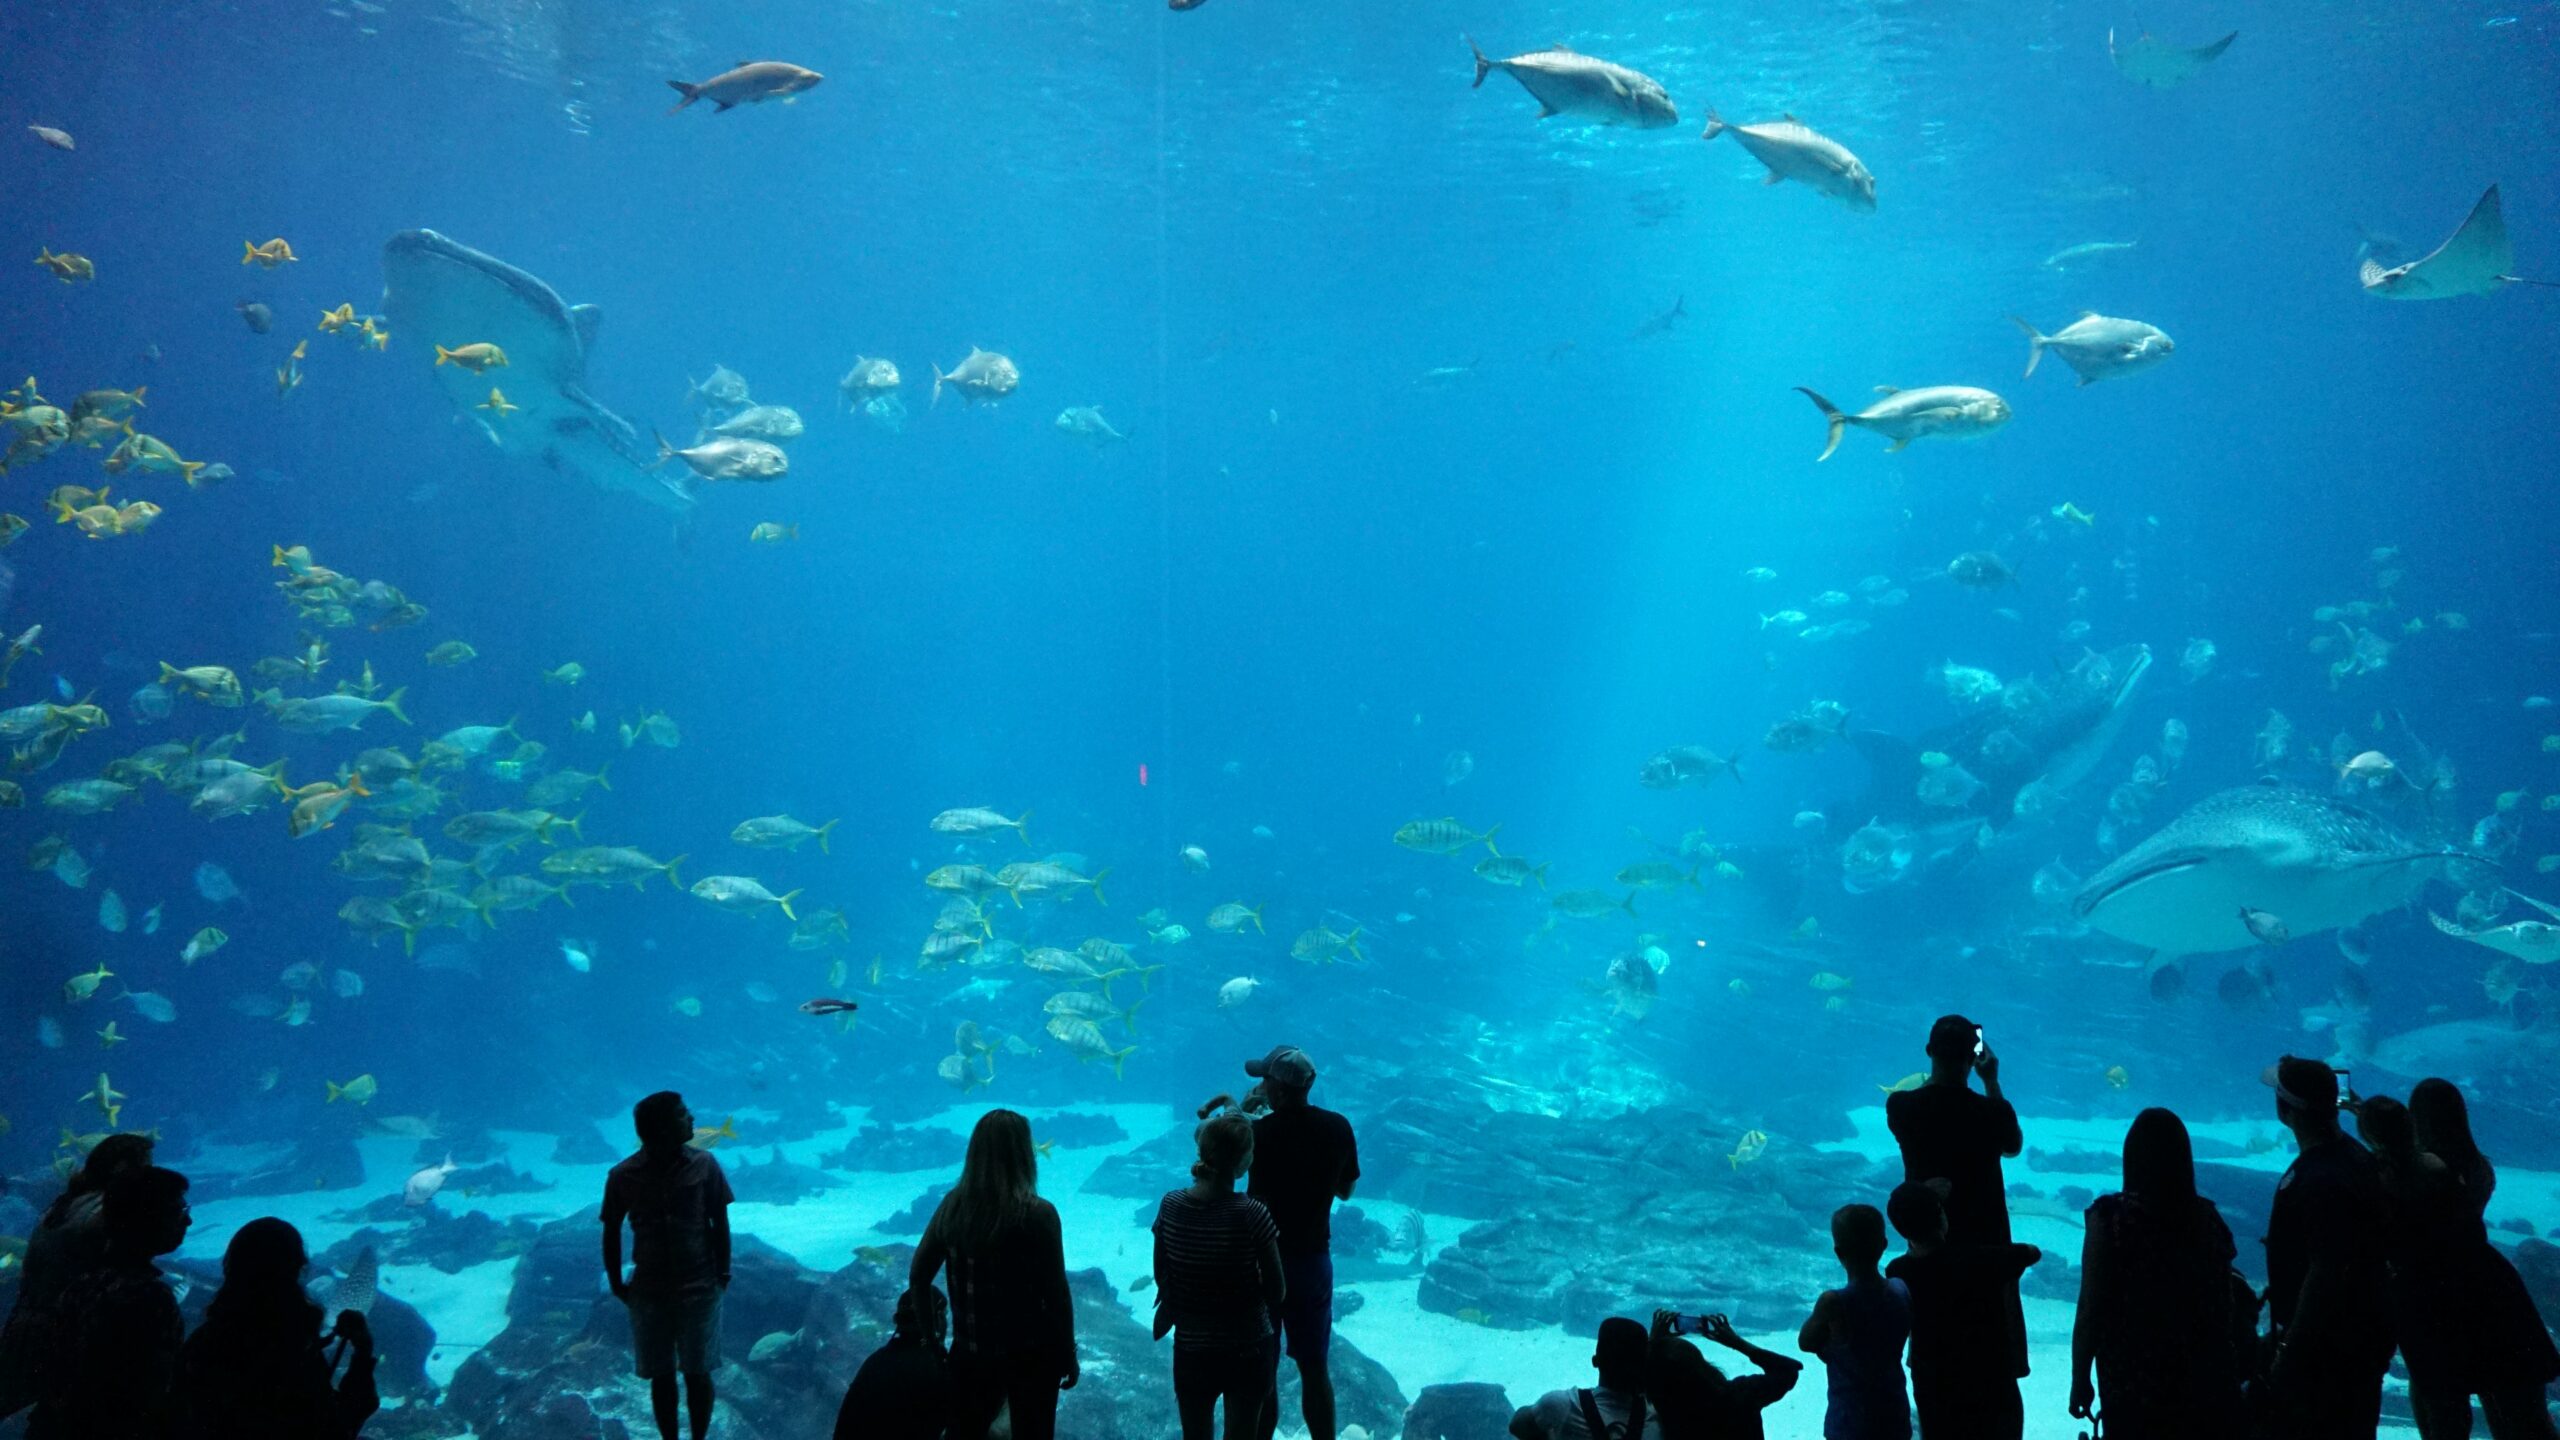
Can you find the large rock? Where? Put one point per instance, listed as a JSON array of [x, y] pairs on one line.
[[1471, 1410], [890, 1147], [1126, 1392], [1364, 1394]]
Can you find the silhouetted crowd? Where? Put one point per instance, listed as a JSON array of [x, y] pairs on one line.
[[2372, 1249]]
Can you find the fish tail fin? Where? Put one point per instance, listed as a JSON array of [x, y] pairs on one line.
[[334, 1091], [445, 357], [1830, 413], [488, 917], [1539, 875], [1257, 924], [1629, 904], [690, 93], [1488, 835], [1022, 828], [408, 939], [248, 253], [1129, 1017], [785, 903], [2035, 343], [1484, 66], [937, 385], [393, 705], [1098, 897], [1715, 126], [822, 835], [603, 770], [1351, 942], [355, 785], [1120, 1062], [673, 878]]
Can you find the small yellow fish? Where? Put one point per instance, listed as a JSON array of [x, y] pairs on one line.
[[1748, 1149], [1826, 980], [109, 1036], [375, 335], [268, 256], [1907, 1083], [359, 1091], [708, 1137], [81, 987], [109, 1099], [2118, 1077], [2073, 513], [66, 267], [333, 321], [474, 358], [498, 402]]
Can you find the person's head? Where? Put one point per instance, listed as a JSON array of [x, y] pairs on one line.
[[109, 1158], [1919, 1215], [2444, 1123], [662, 1121], [1226, 1148], [2159, 1159], [1951, 1042], [923, 1315], [1620, 1354], [145, 1212], [1286, 1075], [1857, 1236], [2306, 1096], [2385, 1125], [999, 1179], [262, 1274]]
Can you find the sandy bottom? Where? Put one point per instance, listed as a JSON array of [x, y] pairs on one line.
[[1417, 1346]]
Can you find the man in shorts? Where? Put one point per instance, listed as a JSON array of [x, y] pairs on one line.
[[677, 1201], [1304, 1159]]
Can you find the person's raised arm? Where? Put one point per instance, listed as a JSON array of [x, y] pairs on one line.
[[1782, 1370], [2012, 1139]]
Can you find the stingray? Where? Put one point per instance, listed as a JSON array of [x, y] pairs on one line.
[[438, 291], [2477, 260], [2146, 61], [2535, 942], [2314, 862]]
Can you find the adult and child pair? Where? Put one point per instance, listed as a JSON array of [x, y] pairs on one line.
[[1236, 1275]]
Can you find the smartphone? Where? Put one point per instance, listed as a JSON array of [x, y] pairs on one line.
[[1980, 1046], [1689, 1324]]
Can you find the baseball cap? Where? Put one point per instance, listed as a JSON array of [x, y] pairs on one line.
[[1286, 1064], [1953, 1035], [2304, 1084]]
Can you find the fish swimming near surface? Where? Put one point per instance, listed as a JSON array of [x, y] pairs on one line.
[[2476, 260], [1796, 151], [2160, 65], [2319, 862], [1955, 412], [437, 286], [1565, 82], [2098, 347], [751, 82]]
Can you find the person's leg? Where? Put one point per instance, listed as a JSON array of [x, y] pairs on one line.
[[1195, 1400], [662, 1403], [2518, 1414], [976, 1396], [1315, 1397], [1309, 1312], [1255, 1394], [2439, 1416], [698, 1399], [1032, 1394]]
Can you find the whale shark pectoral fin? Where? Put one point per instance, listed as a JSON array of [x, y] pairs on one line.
[[587, 320]]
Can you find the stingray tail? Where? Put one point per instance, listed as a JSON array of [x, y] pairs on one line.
[[2035, 343], [1831, 413], [2521, 280]]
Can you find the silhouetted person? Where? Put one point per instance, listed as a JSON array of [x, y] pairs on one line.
[[903, 1392], [115, 1366], [2327, 1284], [2156, 1319], [259, 1368], [1305, 1159], [1614, 1409], [2505, 1355], [1218, 1281], [1013, 1322], [1857, 1331], [1695, 1400], [677, 1200], [68, 1242], [1968, 1342], [1948, 1132]]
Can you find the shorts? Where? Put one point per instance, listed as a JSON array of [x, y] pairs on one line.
[[1243, 1376], [1306, 1316], [672, 1334]]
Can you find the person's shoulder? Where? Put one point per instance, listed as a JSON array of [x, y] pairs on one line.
[[628, 1167], [1333, 1120]]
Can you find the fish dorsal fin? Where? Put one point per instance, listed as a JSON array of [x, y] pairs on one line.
[[2088, 314], [586, 320], [1888, 389]]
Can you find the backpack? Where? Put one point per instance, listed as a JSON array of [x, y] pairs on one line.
[[1599, 1429]]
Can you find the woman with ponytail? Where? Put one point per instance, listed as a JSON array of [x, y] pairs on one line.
[[1218, 1281]]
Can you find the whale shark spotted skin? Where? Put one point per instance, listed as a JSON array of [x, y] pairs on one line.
[[438, 291], [2311, 861]]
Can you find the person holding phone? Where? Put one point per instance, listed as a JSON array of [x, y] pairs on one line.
[[1694, 1397], [1953, 1134]]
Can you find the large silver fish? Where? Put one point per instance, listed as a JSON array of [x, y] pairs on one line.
[[2314, 862], [1566, 82], [2160, 65], [1796, 151], [1956, 412], [2099, 347], [2475, 260], [439, 291]]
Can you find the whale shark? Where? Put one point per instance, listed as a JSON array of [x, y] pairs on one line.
[[439, 291], [2476, 259], [2313, 862]]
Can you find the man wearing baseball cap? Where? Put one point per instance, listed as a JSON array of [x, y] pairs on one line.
[[2327, 1289], [1304, 1159]]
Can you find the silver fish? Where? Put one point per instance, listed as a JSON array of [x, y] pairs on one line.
[[1796, 151], [1956, 412], [1565, 82], [2098, 347]]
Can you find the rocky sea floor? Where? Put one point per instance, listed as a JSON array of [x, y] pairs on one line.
[[493, 1321]]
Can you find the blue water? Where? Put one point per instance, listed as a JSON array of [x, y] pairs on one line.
[[1247, 232]]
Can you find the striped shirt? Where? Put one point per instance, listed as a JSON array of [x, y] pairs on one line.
[[1209, 1252]]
